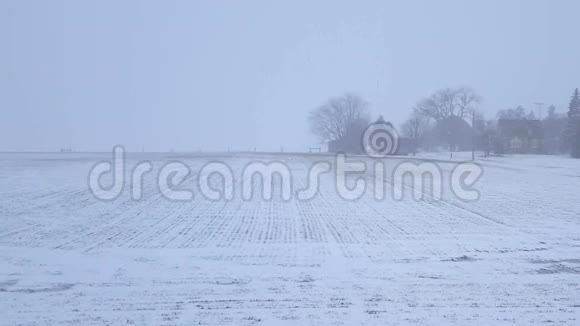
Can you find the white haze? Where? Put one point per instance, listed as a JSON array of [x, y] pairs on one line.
[[190, 75]]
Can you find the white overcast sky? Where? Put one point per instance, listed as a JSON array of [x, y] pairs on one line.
[[192, 75]]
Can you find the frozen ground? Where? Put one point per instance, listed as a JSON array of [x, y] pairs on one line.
[[513, 257]]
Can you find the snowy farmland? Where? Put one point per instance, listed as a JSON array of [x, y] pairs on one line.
[[512, 257]]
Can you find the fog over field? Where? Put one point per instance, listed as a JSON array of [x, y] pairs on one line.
[[289, 162], [193, 75]]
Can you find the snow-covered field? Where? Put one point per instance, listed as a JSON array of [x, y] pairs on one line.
[[512, 257]]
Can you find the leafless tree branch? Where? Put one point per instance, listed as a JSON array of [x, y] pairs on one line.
[[332, 120]]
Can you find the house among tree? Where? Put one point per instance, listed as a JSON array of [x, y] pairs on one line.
[[453, 132], [520, 136], [352, 141]]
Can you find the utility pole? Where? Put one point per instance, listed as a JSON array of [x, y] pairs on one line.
[[539, 105], [473, 135], [450, 144]]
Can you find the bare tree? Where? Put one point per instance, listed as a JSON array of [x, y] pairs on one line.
[[415, 127], [449, 102], [333, 120], [518, 113]]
